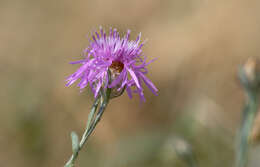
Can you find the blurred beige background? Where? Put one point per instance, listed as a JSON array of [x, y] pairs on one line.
[[199, 45]]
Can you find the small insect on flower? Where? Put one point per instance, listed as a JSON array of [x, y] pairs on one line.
[[113, 62]]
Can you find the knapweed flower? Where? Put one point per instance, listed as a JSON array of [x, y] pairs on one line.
[[120, 58]]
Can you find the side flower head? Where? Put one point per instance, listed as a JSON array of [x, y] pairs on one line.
[[113, 62]]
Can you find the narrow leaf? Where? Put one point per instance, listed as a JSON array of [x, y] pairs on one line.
[[75, 142]]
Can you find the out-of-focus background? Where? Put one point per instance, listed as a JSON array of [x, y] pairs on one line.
[[199, 45]]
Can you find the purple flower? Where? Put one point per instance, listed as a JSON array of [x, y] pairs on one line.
[[121, 56]]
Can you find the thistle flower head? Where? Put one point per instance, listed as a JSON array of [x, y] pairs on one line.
[[113, 62]]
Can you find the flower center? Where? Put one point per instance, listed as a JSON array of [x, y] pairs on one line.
[[116, 66]]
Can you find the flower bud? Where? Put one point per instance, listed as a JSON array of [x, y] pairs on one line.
[[249, 74]]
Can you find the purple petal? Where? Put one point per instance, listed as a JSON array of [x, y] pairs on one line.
[[138, 38], [132, 73], [128, 34], [93, 37], [141, 95], [124, 81], [110, 31], [149, 84], [77, 62], [151, 61], [129, 92], [97, 34], [115, 31]]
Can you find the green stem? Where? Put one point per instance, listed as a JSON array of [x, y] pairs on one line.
[[104, 98]]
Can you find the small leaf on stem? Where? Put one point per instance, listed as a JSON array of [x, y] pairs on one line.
[[75, 142]]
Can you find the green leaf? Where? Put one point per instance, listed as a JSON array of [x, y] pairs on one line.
[[75, 142]]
